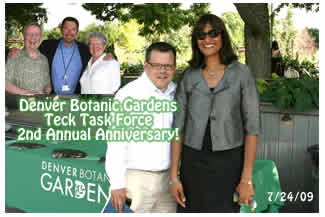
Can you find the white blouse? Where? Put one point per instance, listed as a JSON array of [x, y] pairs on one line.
[[101, 77]]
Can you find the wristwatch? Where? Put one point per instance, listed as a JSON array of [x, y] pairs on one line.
[[173, 180]]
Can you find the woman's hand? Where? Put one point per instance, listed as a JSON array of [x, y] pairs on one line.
[[246, 193], [14, 52], [109, 56], [176, 190]]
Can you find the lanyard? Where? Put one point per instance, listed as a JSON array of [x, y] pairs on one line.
[[66, 68]]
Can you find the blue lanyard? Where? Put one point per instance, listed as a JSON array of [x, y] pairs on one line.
[[66, 67]]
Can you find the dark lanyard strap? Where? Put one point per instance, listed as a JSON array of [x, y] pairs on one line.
[[66, 68]]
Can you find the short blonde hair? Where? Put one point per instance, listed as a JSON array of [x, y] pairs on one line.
[[32, 24]]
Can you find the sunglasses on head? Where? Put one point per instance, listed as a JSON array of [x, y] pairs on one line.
[[213, 33]]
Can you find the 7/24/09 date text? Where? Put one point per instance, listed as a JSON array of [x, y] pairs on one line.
[[291, 196]]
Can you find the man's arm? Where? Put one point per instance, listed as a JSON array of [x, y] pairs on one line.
[[48, 88], [11, 88], [10, 76], [116, 168]]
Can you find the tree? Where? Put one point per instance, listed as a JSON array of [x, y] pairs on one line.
[[285, 33], [181, 40], [155, 22], [154, 19], [20, 14], [257, 37], [130, 45], [309, 7], [54, 33], [314, 7], [314, 33], [235, 27]]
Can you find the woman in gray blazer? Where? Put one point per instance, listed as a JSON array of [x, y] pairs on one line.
[[218, 116]]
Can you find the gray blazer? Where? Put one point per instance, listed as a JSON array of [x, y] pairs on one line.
[[233, 108]]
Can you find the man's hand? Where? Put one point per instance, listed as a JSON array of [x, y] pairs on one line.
[[47, 89], [14, 52], [176, 190], [109, 56], [118, 198]]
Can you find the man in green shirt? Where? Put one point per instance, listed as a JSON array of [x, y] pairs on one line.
[[29, 73]]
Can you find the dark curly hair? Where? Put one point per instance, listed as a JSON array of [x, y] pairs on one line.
[[227, 54]]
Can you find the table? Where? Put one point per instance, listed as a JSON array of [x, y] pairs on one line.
[[37, 182]]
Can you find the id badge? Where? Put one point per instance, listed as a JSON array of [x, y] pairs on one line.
[[65, 88]]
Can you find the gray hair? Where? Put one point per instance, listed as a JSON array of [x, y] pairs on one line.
[[99, 35], [32, 24]]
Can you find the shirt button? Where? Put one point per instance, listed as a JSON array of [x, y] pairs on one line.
[[212, 118], [214, 137]]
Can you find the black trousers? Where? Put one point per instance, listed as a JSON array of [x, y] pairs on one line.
[[209, 180]]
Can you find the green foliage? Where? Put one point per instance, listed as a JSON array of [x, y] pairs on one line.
[[262, 85], [285, 33], [300, 94], [301, 66], [314, 7], [20, 14], [235, 27], [275, 76], [17, 16], [135, 69], [154, 19], [181, 40], [314, 33], [54, 33], [130, 45]]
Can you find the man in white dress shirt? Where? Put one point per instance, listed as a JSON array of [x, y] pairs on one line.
[[139, 171]]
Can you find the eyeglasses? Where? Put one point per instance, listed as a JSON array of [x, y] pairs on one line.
[[213, 33], [158, 66]]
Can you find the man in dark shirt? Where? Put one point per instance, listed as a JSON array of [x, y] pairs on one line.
[[67, 58]]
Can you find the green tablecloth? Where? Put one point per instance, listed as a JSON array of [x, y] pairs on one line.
[[74, 185], [266, 181], [37, 182]]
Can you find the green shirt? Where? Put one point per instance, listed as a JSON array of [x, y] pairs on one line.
[[27, 73]]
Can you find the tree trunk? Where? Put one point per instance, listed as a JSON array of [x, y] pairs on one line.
[[257, 37]]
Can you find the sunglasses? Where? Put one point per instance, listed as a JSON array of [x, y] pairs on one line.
[[213, 33]]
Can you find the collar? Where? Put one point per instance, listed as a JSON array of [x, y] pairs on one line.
[[98, 60], [169, 91], [65, 47], [28, 55]]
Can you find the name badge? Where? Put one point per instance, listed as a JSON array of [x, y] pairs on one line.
[[65, 88]]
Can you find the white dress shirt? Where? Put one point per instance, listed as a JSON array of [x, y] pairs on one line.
[[149, 156], [101, 77]]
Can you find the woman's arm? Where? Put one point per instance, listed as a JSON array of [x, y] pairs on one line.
[[251, 123], [245, 187], [249, 159], [176, 187]]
